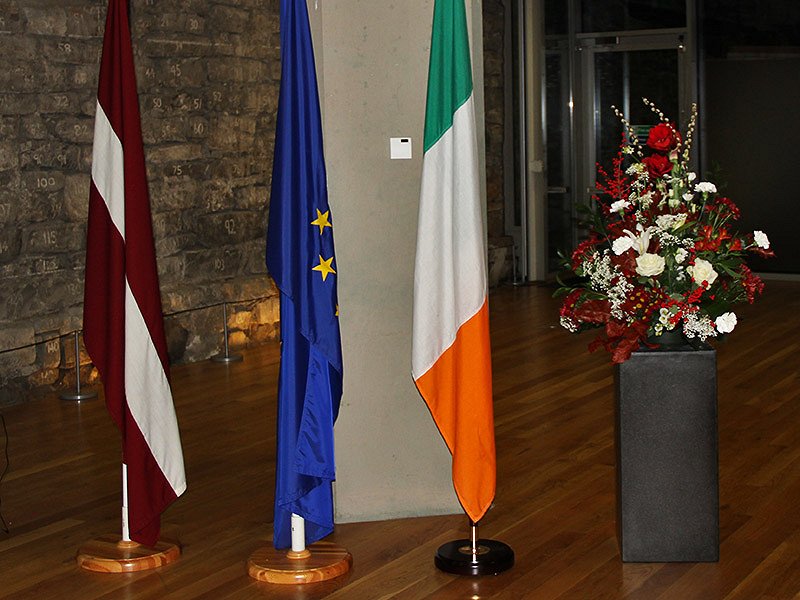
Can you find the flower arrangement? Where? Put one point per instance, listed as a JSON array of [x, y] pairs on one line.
[[661, 254]]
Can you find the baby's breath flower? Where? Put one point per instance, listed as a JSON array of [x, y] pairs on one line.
[[701, 326]]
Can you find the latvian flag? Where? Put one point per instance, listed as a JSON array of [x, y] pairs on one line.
[[122, 318]]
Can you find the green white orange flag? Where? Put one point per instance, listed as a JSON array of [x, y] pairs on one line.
[[451, 358]]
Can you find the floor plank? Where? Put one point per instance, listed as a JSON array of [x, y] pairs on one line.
[[555, 502]]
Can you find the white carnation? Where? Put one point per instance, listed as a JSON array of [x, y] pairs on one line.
[[761, 239], [706, 187], [622, 245], [665, 221], [725, 322]]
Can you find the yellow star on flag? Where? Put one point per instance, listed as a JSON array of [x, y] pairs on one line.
[[324, 267], [322, 220]]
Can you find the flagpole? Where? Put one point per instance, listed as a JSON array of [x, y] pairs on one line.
[[299, 549], [110, 554], [126, 534]]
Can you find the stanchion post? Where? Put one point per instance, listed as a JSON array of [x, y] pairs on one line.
[[226, 357], [78, 394]]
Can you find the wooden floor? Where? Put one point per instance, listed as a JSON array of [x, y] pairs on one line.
[[555, 499]]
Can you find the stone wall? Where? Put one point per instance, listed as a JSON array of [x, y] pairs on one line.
[[208, 76]]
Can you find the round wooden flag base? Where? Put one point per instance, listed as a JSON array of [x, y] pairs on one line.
[[493, 557], [109, 554], [321, 561]]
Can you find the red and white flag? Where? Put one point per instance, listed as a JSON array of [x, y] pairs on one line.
[[122, 318]]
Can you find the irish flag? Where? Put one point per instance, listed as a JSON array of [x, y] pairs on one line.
[[451, 359]]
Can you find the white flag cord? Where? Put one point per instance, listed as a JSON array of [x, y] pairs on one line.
[[298, 533], [125, 531]]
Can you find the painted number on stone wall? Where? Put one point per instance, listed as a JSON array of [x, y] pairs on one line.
[[50, 237], [43, 182]]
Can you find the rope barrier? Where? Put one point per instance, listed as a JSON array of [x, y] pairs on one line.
[[170, 314]]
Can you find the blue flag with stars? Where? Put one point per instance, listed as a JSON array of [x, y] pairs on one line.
[[301, 260]]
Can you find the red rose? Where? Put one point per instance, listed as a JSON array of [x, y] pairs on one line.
[[663, 137], [657, 165]]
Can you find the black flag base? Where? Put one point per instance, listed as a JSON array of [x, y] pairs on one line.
[[474, 556], [492, 557]]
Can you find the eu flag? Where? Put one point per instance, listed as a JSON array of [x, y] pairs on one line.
[[301, 260]]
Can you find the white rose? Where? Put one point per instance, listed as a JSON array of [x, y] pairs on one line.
[[761, 239], [725, 322], [680, 255], [702, 271], [622, 245], [649, 265], [706, 187]]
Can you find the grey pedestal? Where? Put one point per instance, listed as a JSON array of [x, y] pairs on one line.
[[667, 461]]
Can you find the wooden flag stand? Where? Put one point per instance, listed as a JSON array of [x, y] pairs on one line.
[[474, 556], [110, 554], [321, 561]]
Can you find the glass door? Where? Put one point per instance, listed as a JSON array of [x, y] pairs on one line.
[[620, 72], [595, 54], [558, 133]]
